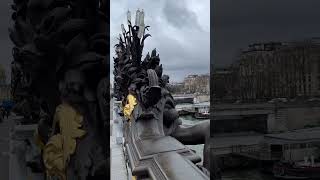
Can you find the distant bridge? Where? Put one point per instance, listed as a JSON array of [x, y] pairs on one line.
[[184, 98]]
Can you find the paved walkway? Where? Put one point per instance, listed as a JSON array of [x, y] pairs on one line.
[[5, 127], [118, 166]]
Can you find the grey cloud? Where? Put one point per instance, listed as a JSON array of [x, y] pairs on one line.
[[239, 23], [177, 14]]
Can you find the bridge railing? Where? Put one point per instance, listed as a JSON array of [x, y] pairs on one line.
[[160, 157]]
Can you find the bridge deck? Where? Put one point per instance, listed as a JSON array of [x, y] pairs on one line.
[[118, 165]]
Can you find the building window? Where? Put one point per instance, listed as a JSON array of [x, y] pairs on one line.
[[295, 146], [309, 78]]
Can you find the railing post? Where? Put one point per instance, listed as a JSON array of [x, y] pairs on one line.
[[118, 122]]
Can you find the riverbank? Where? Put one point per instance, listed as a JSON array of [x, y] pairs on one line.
[[246, 174]]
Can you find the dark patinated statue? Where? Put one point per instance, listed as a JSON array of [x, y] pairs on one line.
[[153, 119], [60, 81]]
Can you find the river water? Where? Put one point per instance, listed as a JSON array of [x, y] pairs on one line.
[[244, 174], [189, 120]]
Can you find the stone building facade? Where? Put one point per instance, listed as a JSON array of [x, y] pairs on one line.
[[223, 84], [277, 70], [280, 70], [192, 84], [197, 84]]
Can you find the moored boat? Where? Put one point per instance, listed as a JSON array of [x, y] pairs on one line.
[[202, 110], [202, 115], [296, 170]]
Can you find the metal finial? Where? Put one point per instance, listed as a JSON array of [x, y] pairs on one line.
[[123, 29], [129, 16], [137, 17]]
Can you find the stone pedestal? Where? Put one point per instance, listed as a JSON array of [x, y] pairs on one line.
[[20, 152]]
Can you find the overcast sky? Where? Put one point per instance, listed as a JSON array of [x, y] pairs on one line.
[[237, 23], [180, 32], [180, 29]]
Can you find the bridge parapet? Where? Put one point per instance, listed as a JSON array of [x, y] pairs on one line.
[[23, 151], [150, 156]]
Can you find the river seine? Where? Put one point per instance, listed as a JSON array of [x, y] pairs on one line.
[[244, 174]]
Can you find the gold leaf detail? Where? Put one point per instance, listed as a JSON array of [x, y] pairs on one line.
[[128, 108], [60, 147]]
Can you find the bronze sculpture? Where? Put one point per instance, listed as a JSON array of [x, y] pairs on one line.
[[60, 69], [153, 120]]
